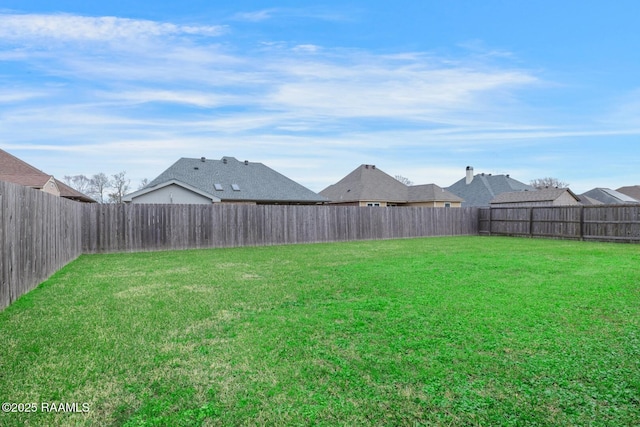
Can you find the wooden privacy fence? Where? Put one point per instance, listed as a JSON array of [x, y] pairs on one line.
[[613, 223], [141, 227], [39, 234]]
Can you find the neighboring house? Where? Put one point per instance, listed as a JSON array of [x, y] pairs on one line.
[[204, 181], [369, 186], [608, 196], [481, 189], [631, 191], [542, 197], [14, 170]]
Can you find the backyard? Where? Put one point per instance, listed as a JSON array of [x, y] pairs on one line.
[[451, 331]]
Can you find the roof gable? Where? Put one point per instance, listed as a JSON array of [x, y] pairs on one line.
[[129, 197]]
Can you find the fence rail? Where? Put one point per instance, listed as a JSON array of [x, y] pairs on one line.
[[613, 223], [141, 227], [39, 234]]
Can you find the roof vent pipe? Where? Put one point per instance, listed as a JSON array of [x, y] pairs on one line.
[[224, 160], [469, 175], [246, 162], [202, 159]]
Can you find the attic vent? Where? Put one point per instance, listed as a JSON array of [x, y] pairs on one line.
[[202, 159], [224, 160], [246, 162], [235, 187], [218, 187], [196, 168]]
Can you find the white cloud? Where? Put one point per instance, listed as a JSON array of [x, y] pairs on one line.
[[309, 48], [194, 98], [384, 90], [255, 16], [14, 95], [83, 28]]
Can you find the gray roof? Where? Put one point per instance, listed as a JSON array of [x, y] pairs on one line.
[[368, 183], [484, 187], [588, 201], [236, 180], [631, 191], [609, 196], [542, 195]]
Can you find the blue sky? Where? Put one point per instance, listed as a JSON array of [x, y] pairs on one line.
[[314, 89]]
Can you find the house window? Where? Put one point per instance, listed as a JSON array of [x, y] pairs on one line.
[[373, 204], [447, 204]]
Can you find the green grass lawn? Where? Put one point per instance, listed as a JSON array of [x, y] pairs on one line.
[[464, 331]]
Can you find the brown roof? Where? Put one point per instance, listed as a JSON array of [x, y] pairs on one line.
[[431, 193], [368, 183], [543, 195], [14, 170], [73, 194]]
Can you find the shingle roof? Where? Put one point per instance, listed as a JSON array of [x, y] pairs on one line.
[[588, 201], [14, 170], [631, 191], [252, 181], [484, 187], [17, 171], [543, 195], [71, 193], [431, 192], [368, 183], [609, 196]]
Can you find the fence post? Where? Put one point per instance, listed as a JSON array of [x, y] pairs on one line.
[[490, 218], [581, 222], [531, 221]]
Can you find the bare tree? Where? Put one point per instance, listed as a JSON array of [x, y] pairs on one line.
[[402, 179], [548, 182], [143, 183], [78, 182], [99, 185], [120, 186]]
